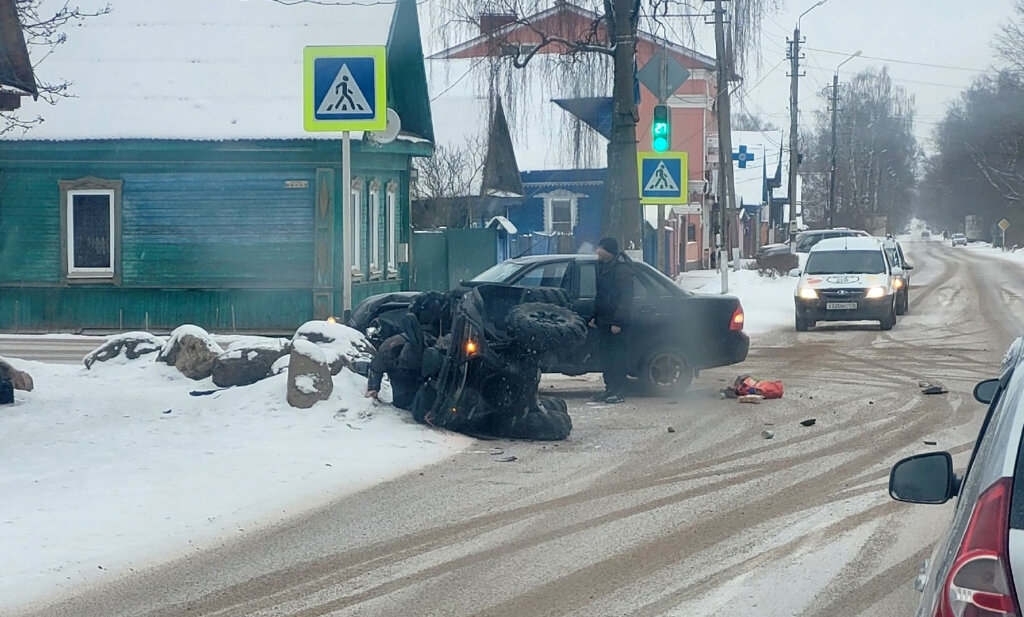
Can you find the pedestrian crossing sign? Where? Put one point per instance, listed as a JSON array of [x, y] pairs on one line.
[[344, 88], [662, 177]]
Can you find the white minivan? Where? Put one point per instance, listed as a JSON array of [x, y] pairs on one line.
[[847, 279]]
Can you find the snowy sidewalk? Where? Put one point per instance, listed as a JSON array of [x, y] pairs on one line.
[[118, 468], [767, 302]]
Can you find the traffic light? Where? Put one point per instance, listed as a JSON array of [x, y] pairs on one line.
[[661, 129]]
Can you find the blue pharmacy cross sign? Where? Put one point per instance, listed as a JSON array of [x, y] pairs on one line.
[[743, 157]]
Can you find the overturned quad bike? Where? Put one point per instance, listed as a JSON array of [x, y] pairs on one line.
[[482, 378]]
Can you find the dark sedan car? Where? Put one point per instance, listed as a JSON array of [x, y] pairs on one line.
[[674, 333]]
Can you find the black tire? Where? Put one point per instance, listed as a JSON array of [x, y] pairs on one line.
[[665, 372], [906, 300], [547, 419], [889, 320], [547, 295], [802, 324], [542, 327]]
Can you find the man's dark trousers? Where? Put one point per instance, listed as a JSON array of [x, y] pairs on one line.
[[613, 360]]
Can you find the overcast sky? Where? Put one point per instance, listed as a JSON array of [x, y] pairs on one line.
[[953, 33]]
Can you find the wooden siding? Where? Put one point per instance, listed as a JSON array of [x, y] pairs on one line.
[[216, 229], [207, 227]]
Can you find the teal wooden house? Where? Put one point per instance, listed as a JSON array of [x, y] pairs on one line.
[[178, 185]]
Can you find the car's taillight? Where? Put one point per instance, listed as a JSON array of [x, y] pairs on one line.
[[736, 323], [979, 583]]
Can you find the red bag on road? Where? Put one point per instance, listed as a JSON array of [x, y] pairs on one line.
[[769, 389]]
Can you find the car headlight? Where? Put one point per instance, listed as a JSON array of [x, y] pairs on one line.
[[876, 292], [807, 293], [897, 283]]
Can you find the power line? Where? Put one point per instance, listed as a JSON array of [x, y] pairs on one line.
[[934, 66]]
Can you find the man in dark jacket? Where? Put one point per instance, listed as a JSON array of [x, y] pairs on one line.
[[401, 358], [612, 311]]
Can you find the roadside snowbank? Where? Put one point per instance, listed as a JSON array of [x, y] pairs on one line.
[[986, 249], [767, 302], [117, 468]]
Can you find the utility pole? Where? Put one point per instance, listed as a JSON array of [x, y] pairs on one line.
[[723, 109], [794, 141], [835, 115], [832, 167]]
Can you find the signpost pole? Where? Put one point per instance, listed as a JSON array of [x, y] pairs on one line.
[[1004, 240], [348, 233]]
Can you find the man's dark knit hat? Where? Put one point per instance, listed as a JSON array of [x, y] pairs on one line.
[[609, 244]]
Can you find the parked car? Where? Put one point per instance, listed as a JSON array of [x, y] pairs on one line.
[[674, 333], [805, 241], [901, 271], [846, 279], [959, 240], [925, 234], [976, 566]]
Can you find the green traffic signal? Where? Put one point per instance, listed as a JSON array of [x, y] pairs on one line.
[[661, 129]]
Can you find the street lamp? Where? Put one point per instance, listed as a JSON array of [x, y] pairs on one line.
[[835, 112], [794, 114]]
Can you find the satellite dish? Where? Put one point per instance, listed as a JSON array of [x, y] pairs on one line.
[[390, 132]]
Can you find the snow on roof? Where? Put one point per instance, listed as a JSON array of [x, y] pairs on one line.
[[503, 223], [541, 131], [192, 69]]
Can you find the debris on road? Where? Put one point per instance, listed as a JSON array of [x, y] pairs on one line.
[[507, 459], [751, 398], [930, 442], [671, 430], [808, 422], [745, 385], [928, 387], [767, 434]]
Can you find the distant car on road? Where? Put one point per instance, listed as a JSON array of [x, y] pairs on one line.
[[846, 279], [925, 234], [673, 333], [959, 240], [901, 271], [977, 567]]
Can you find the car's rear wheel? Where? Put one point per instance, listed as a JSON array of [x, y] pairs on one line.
[[666, 372]]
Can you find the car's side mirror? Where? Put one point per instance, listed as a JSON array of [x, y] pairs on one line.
[[925, 478], [908, 266], [795, 272], [985, 391]]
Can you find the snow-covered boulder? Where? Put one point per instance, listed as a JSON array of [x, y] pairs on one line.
[[129, 346], [309, 376], [342, 346], [191, 350], [20, 380], [245, 365]]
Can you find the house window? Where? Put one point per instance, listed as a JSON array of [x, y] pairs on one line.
[[391, 212], [560, 211], [691, 233], [374, 221], [90, 217], [355, 252]]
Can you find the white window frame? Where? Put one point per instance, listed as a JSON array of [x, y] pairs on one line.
[[90, 272], [561, 195], [391, 212], [355, 251], [373, 238]]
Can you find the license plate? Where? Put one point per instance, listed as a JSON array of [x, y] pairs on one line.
[[840, 306]]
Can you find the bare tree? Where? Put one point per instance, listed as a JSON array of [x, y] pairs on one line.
[[599, 55], [744, 121], [877, 154], [44, 32], [443, 193]]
